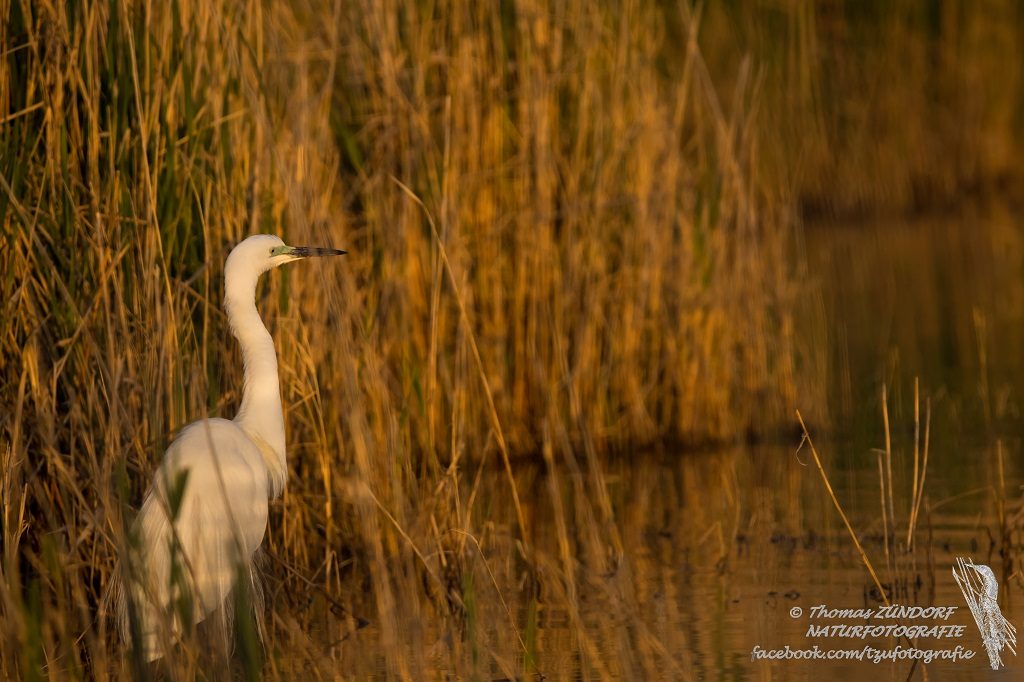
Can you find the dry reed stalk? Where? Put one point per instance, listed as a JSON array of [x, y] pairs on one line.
[[839, 508], [885, 513], [889, 519], [917, 454], [918, 493]]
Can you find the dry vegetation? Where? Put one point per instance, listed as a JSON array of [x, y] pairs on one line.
[[559, 244], [894, 106]]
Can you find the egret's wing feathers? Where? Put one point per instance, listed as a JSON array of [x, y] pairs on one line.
[[201, 522]]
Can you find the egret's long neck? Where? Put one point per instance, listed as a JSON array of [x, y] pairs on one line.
[[260, 414]]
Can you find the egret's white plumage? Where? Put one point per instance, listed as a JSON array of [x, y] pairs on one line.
[[205, 514]]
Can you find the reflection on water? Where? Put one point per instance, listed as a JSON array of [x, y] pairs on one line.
[[705, 556], [717, 549], [790, 549]]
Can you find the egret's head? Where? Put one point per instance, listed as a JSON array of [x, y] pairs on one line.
[[256, 254], [261, 252]]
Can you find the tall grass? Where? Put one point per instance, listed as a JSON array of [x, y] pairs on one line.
[[870, 107], [559, 245]]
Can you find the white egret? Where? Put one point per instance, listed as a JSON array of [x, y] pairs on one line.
[[205, 514]]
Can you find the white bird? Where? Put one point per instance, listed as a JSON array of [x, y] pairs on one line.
[[981, 591], [205, 514]]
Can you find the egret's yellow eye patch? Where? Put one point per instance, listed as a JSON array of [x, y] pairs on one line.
[[281, 250]]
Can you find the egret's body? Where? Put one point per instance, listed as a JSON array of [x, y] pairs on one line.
[[205, 515]]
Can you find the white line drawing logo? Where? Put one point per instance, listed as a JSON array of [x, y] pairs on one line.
[[980, 588]]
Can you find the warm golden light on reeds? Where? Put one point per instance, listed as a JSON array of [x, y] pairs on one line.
[[568, 235]]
